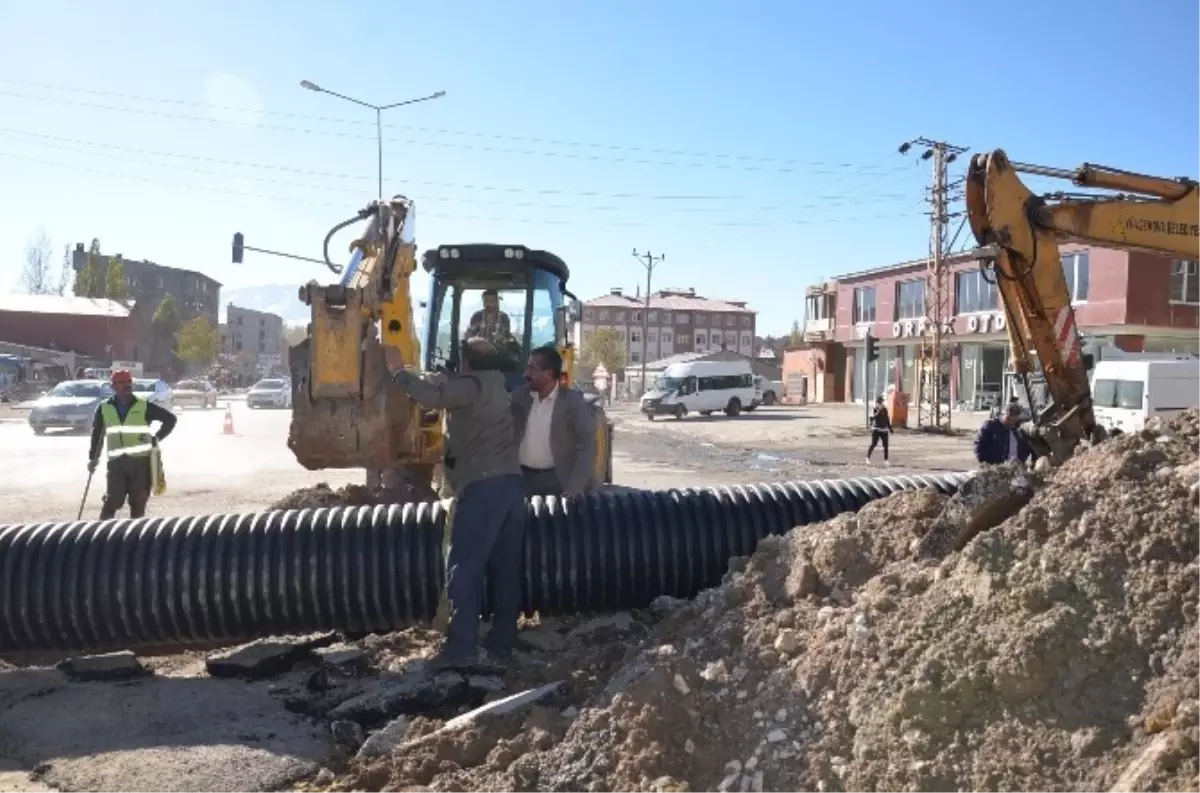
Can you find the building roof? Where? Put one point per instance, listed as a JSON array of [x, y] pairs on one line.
[[671, 301], [68, 305], [949, 259]]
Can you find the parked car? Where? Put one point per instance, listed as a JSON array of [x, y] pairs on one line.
[[69, 405], [195, 393], [156, 391], [272, 393]]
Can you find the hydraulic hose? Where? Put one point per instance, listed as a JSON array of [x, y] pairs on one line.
[[97, 585]]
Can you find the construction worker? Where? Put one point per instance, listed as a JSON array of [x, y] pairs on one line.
[[487, 535], [125, 420]]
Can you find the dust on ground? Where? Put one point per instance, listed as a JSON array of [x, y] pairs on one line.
[[1056, 650]]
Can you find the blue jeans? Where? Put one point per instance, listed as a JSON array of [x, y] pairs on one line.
[[487, 538]]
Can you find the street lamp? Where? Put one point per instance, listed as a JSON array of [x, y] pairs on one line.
[[311, 86]]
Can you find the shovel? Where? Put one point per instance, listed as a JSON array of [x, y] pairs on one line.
[[86, 488]]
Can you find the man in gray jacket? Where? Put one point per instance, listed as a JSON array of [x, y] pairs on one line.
[[488, 530], [557, 430]]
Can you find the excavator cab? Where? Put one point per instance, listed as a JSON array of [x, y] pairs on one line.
[[513, 296]]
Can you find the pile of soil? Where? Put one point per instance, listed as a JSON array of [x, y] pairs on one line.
[[1027, 633], [322, 495]]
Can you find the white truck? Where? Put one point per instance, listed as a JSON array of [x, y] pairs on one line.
[[1126, 393], [702, 387]]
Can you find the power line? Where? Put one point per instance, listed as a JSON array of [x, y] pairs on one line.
[[432, 130], [435, 144], [453, 216], [52, 141]]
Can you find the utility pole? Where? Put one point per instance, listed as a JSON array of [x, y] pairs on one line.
[[649, 261], [933, 370]]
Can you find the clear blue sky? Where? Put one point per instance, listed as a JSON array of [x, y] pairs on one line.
[[754, 143]]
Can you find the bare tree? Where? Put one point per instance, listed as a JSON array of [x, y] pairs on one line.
[[67, 273], [36, 278]]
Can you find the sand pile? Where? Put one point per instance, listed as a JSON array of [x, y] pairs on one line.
[[915, 645]]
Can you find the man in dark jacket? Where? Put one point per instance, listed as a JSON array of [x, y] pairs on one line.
[[881, 428], [1000, 440], [125, 420], [487, 531]]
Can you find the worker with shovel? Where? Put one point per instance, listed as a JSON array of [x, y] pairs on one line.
[[125, 420]]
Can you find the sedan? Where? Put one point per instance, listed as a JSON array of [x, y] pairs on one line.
[[195, 393], [69, 405], [156, 391], [274, 393]]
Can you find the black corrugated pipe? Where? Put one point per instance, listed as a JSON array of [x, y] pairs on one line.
[[126, 583]]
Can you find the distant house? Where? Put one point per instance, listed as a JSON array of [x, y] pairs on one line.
[[95, 327]]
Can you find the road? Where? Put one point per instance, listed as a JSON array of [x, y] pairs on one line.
[[209, 472]]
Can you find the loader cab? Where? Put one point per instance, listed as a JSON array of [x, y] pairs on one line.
[[512, 295]]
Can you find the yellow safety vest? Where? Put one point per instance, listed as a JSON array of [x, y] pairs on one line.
[[130, 438]]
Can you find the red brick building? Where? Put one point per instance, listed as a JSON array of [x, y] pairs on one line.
[[1132, 301], [95, 327]]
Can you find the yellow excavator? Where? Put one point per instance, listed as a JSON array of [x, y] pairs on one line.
[[1020, 234], [346, 411]]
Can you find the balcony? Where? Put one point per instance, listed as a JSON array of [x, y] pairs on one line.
[[818, 329]]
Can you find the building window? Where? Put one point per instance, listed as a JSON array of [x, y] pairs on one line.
[[666, 337], [731, 322], [652, 316], [652, 338], [634, 336], [636, 316], [701, 320], [745, 320], [1076, 271], [682, 319], [864, 304], [635, 357], [746, 340], [666, 318], [620, 316], [587, 315], [604, 315], [1185, 282], [974, 293], [701, 339], [910, 299]]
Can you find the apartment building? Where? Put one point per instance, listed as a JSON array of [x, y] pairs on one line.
[[148, 283], [677, 321], [247, 332]]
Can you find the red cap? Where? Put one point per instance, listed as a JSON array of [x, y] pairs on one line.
[[121, 374]]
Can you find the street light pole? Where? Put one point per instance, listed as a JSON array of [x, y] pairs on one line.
[[649, 261], [311, 86]]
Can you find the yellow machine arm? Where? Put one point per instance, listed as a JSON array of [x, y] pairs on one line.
[[1021, 231]]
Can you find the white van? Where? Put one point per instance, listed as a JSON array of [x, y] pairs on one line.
[[702, 387], [1128, 393]]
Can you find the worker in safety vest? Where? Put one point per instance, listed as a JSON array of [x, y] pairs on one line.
[[125, 420]]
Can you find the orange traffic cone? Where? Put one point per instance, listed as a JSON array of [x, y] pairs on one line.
[[228, 428]]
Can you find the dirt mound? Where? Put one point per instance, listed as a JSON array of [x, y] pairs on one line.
[[322, 495], [1045, 639]]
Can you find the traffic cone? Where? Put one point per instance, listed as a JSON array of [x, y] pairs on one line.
[[228, 428]]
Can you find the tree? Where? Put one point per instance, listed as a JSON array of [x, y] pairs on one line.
[[605, 347], [115, 287], [797, 336], [165, 325], [35, 273], [91, 281], [198, 341], [66, 273]]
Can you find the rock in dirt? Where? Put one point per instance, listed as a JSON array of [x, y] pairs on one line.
[[265, 657], [343, 659], [348, 734], [110, 666], [411, 692], [384, 740]]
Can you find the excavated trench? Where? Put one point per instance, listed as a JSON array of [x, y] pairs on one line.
[[96, 585]]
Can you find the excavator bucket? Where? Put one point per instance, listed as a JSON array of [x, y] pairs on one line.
[[346, 411]]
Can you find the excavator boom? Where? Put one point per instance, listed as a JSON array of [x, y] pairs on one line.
[[1020, 232]]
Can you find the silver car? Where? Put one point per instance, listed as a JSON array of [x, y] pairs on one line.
[[156, 391], [195, 393], [69, 405], [272, 393]]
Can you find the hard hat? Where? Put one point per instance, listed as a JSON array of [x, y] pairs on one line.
[[121, 374]]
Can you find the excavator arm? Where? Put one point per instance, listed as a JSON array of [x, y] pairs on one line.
[[1020, 234]]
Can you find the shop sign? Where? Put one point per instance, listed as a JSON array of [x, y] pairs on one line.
[[985, 323], [915, 328]]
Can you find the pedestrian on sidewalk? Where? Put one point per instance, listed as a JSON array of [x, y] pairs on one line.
[[881, 428], [125, 420], [487, 532]]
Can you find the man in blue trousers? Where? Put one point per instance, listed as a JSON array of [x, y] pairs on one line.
[[487, 536]]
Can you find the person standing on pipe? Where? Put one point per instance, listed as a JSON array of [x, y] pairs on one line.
[[125, 420], [487, 535]]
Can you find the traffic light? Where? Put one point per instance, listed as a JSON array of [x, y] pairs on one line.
[[872, 348], [238, 241]]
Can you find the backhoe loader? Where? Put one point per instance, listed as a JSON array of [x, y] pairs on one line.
[[1020, 234], [346, 411]]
